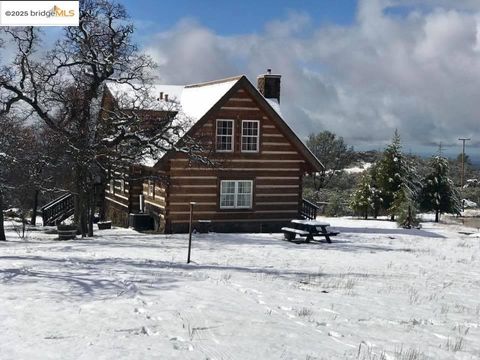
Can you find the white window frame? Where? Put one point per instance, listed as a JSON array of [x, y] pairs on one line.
[[232, 121], [112, 186], [235, 201], [258, 136], [151, 188], [122, 186]]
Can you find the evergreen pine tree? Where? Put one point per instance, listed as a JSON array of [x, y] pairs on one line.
[[438, 192], [397, 178], [377, 199], [366, 197], [405, 207]]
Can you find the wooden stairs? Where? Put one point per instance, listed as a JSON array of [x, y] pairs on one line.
[[58, 210], [308, 210]]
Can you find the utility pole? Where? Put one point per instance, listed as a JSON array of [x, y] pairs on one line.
[[440, 149], [463, 160]]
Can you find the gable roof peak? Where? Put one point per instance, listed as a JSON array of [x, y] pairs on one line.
[[218, 81]]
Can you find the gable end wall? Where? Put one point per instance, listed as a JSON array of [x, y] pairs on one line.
[[276, 172]]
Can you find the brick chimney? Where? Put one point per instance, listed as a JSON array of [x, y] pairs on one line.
[[269, 85]]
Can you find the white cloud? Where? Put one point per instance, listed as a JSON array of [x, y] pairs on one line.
[[419, 72]]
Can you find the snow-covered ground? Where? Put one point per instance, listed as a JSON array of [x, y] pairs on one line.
[[409, 294], [359, 168]]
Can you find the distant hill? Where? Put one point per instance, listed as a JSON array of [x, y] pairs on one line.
[[369, 156]]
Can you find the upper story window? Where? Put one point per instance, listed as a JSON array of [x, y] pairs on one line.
[[224, 138], [250, 135], [236, 194]]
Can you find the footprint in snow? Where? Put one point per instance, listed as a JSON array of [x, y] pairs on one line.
[[335, 334], [146, 331], [179, 343]]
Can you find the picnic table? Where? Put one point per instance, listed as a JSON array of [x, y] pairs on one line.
[[308, 229]]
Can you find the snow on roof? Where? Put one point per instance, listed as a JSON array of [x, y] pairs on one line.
[[198, 99], [191, 101], [275, 105], [194, 100], [149, 161], [145, 97]]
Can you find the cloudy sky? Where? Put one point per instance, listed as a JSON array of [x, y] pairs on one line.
[[360, 69], [357, 68]]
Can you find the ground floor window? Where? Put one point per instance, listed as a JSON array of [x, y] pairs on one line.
[[236, 194]]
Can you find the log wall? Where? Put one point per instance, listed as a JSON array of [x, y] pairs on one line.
[[276, 171]]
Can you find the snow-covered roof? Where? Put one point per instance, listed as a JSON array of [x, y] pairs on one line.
[[275, 105], [194, 100], [197, 99], [191, 102]]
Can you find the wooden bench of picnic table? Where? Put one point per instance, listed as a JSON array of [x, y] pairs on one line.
[[308, 229]]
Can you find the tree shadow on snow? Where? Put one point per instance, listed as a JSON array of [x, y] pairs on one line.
[[78, 277], [108, 278], [410, 232]]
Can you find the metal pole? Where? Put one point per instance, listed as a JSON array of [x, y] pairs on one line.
[[190, 232], [463, 161]]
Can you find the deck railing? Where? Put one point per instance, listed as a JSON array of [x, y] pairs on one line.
[[308, 210], [58, 210]]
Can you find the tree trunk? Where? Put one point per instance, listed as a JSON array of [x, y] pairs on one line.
[[81, 200], [24, 226], [392, 217], [2, 229], [437, 215], [33, 221], [91, 211], [102, 210], [365, 216], [83, 215]]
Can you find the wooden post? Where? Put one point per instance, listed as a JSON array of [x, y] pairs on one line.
[[190, 231], [33, 220]]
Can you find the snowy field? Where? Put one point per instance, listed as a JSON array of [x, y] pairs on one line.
[[376, 292]]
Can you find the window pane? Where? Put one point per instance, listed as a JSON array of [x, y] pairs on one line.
[[244, 187], [227, 194], [250, 135], [228, 187], [225, 135], [236, 194], [244, 194], [244, 200], [227, 200]]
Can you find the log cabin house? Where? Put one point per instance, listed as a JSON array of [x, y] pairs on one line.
[[258, 185]]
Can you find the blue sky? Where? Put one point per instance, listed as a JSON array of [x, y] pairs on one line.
[[238, 17], [360, 69]]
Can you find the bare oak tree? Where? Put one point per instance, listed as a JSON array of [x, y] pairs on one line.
[[332, 152], [64, 87], [13, 145]]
